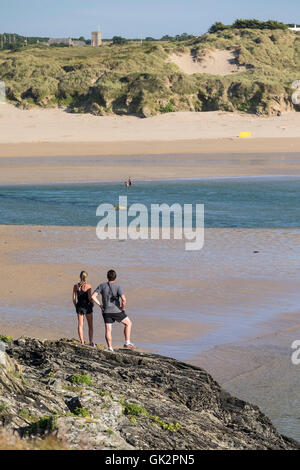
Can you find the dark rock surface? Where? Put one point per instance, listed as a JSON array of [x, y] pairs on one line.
[[128, 400]]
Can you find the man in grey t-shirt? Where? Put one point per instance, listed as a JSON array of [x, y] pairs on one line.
[[113, 308]]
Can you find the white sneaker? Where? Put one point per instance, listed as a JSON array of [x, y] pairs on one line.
[[110, 349], [129, 346]]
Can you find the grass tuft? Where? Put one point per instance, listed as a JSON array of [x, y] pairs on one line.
[[6, 338], [172, 427], [133, 409], [45, 425], [80, 379], [81, 412]]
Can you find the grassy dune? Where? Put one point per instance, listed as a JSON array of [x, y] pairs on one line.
[[137, 79]]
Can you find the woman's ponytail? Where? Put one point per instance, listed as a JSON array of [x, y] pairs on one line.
[[83, 277]]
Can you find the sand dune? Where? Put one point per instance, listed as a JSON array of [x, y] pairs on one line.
[[218, 62]]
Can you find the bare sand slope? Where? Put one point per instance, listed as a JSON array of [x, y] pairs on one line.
[[218, 62]]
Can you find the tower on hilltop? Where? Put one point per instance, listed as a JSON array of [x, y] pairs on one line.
[[96, 38]]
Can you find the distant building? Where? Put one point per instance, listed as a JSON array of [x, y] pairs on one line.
[[295, 28], [65, 41], [76, 42], [96, 38]]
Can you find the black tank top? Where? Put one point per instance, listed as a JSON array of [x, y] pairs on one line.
[[82, 296]]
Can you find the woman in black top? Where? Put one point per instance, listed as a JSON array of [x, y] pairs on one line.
[[82, 300]]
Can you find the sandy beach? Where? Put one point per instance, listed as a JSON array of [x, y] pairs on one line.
[[55, 146], [56, 125]]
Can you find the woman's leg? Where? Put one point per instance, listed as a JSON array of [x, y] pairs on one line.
[[80, 328], [89, 319]]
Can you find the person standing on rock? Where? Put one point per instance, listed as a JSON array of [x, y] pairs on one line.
[[82, 300], [113, 308]]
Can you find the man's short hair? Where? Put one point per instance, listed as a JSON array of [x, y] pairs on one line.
[[111, 275]]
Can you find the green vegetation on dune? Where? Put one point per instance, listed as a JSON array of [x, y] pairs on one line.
[[249, 24], [135, 78]]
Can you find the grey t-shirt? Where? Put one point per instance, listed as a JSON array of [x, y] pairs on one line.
[[108, 290]]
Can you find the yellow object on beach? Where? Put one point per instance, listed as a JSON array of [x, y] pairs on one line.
[[119, 208], [245, 134]]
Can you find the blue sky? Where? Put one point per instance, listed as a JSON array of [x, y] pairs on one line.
[[134, 18]]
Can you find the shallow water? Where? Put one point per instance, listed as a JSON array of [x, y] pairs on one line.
[[229, 202]]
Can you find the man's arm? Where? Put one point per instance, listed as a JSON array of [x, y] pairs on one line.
[[124, 302], [94, 298]]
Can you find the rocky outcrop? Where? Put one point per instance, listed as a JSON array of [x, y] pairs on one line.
[[95, 399]]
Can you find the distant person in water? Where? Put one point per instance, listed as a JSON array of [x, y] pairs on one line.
[[113, 308], [82, 300], [129, 182]]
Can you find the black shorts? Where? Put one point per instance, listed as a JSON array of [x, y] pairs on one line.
[[84, 309], [112, 317]]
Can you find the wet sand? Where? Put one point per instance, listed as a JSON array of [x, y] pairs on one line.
[[260, 370], [224, 308], [142, 167], [225, 286], [36, 295], [176, 147]]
